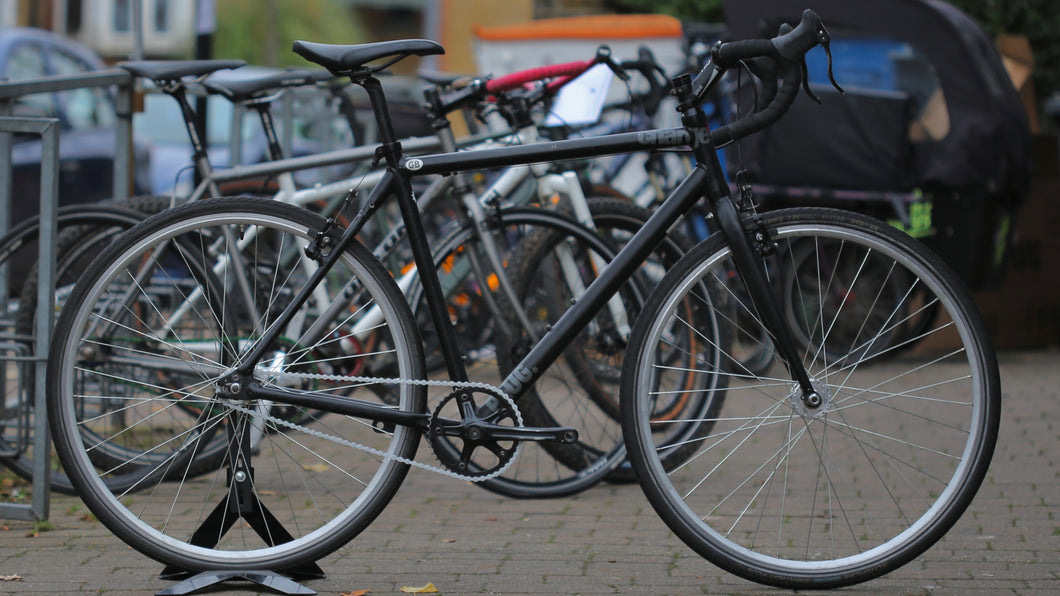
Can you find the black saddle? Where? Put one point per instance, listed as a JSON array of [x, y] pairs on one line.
[[257, 87], [351, 60], [445, 79], [173, 70]]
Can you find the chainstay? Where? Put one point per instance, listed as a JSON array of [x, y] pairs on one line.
[[275, 375]]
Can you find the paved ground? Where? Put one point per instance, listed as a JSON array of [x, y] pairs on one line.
[[464, 540]]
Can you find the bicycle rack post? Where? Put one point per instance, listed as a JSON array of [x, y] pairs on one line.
[[48, 129]]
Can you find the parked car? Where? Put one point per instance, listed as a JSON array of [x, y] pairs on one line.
[[86, 119]]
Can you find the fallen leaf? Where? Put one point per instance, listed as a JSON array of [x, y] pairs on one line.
[[14, 577], [354, 593], [428, 589], [317, 467], [448, 540]]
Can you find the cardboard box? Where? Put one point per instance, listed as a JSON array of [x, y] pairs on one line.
[[1019, 62], [1025, 311]]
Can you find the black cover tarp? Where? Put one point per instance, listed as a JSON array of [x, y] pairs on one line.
[[988, 143], [857, 141]]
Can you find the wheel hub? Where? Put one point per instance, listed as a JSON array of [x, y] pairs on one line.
[[815, 405]]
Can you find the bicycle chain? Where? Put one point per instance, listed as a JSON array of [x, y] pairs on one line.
[[376, 452]]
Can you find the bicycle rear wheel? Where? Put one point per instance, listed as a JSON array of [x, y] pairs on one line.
[[144, 338], [800, 497]]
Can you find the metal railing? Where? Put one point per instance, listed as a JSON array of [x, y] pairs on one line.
[[123, 104], [48, 129]]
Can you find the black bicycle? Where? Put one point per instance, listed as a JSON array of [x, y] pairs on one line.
[[822, 471]]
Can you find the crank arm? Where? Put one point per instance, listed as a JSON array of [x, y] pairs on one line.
[[556, 434], [484, 431]]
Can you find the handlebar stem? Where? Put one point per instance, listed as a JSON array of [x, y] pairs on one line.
[[694, 119]]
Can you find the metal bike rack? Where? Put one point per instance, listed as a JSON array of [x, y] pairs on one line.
[[34, 365], [48, 129]]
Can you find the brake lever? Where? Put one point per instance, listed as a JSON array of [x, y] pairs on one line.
[[603, 56], [806, 82], [831, 74], [825, 40]]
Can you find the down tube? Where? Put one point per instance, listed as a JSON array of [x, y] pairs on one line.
[[546, 351]]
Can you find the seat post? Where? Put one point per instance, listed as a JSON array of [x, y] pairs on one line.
[[391, 148]]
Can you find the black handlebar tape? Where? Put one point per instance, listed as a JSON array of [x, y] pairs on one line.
[[728, 54], [765, 69], [792, 76], [787, 47]]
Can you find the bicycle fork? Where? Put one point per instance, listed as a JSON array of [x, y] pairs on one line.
[[750, 267]]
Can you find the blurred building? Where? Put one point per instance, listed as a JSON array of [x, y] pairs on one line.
[[452, 22], [168, 26]]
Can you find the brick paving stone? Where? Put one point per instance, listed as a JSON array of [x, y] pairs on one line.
[[607, 540]]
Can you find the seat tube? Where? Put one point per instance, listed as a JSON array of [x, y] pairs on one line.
[[417, 236]]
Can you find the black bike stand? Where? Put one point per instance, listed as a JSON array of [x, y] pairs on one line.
[[208, 579], [241, 503]]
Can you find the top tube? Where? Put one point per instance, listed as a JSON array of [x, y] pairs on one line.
[[549, 151]]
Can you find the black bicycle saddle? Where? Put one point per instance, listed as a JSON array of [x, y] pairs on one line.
[[346, 60], [172, 70], [245, 89]]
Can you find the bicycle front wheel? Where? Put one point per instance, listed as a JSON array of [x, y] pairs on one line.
[[159, 317], [798, 497]]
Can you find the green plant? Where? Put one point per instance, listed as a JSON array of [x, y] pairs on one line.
[[261, 32], [706, 11], [1038, 20]]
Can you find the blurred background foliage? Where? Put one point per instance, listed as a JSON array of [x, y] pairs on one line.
[[245, 26], [1039, 20], [254, 30]]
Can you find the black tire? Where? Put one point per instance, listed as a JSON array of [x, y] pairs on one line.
[[317, 485], [799, 497]]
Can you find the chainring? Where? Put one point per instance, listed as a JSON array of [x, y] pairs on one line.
[[472, 452]]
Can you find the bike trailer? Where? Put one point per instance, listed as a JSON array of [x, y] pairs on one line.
[[931, 133]]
